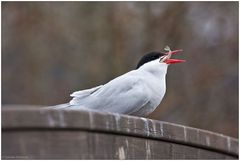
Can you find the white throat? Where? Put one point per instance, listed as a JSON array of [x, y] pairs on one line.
[[155, 68]]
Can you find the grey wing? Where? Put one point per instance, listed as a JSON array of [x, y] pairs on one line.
[[79, 95], [122, 95]]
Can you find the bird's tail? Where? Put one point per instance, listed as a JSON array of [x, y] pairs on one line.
[[58, 107], [66, 106]]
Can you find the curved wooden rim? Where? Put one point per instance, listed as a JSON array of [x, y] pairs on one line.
[[43, 118]]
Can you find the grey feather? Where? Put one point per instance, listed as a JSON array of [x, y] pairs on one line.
[[137, 92]]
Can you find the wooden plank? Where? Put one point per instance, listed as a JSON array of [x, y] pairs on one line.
[[26, 120], [93, 145]]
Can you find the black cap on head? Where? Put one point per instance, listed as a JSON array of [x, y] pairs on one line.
[[149, 57]]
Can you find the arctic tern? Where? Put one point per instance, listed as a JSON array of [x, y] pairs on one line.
[[137, 92]]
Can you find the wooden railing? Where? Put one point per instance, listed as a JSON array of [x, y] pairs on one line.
[[37, 133]]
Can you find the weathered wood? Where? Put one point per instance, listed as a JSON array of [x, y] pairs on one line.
[[60, 134]]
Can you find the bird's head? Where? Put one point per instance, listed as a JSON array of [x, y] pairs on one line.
[[159, 58]]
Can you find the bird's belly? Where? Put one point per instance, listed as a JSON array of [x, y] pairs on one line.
[[153, 103], [147, 109]]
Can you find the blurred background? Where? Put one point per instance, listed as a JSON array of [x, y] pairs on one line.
[[51, 49]]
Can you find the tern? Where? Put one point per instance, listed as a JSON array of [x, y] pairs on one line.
[[137, 92]]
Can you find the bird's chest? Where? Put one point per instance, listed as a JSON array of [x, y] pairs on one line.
[[156, 93], [156, 89]]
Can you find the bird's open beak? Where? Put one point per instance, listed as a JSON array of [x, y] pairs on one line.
[[167, 59]]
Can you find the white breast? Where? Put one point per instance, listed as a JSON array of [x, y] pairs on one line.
[[156, 88]]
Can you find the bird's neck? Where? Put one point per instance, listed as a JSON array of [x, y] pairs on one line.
[[158, 70]]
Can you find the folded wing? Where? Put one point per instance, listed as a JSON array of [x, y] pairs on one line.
[[125, 94], [78, 95]]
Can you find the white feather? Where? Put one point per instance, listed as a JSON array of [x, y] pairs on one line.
[[137, 92], [84, 93]]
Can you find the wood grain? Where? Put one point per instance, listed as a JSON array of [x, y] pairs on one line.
[[30, 133]]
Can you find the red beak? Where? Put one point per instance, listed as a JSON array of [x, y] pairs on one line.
[[173, 61], [175, 51]]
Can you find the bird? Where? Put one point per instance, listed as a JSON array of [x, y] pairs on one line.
[[137, 92]]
